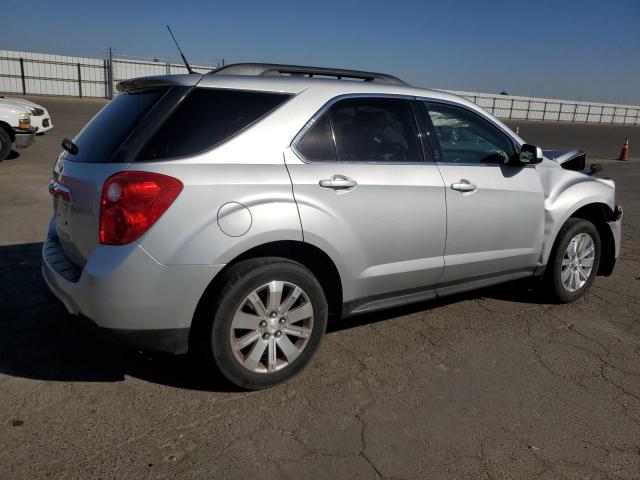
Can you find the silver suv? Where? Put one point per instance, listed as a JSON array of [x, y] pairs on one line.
[[230, 214]]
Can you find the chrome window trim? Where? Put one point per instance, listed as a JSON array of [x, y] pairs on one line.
[[298, 137]]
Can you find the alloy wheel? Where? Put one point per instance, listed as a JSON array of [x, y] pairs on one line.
[[577, 262], [271, 327]]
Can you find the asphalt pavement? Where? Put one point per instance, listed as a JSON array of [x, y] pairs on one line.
[[493, 384]]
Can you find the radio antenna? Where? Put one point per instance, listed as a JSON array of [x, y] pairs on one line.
[[184, 59]]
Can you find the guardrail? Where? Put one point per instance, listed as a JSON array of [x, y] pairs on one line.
[[511, 107], [26, 73]]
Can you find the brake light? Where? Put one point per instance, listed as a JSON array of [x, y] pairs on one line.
[[132, 202]]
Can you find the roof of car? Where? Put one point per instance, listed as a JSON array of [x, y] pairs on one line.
[[295, 85], [295, 79]]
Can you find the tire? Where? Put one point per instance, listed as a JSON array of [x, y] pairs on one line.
[[566, 283], [231, 308], [5, 144]]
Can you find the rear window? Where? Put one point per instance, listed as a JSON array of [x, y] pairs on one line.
[[206, 118], [105, 133]]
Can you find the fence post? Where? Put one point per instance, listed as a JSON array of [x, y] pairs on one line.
[[168, 68], [104, 76], [544, 110], [493, 106], [528, 110], [575, 110], [588, 114], [110, 73], [510, 108], [79, 82], [24, 85]]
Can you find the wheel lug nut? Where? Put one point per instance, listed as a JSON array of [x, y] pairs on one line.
[[263, 324], [265, 336], [273, 314], [278, 334], [282, 320]]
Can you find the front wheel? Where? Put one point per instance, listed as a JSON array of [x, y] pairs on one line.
[[267, 321], [574, 261]]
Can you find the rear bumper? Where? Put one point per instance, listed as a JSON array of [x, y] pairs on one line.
[[168, 340], [126, 291]]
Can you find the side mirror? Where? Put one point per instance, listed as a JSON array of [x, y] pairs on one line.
[[529, 154]]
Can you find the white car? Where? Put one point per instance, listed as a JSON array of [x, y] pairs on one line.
[[40, 118], [15, 127]]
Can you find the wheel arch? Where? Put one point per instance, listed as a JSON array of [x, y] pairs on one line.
[[312, 257], [598, 213], [6, 127]]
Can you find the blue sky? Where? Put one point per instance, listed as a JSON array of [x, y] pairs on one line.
[[587, 50]]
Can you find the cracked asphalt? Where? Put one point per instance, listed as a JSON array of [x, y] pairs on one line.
[[494, 384]]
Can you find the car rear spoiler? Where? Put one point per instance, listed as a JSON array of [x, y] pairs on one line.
[[158, 81]]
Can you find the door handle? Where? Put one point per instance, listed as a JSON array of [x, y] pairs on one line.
[[464, 186], [338, 182]]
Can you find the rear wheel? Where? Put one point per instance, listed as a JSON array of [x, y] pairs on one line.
[[267, 321], [574, 261], [5, 144]]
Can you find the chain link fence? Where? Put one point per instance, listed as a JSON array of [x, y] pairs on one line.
[[29, 73]]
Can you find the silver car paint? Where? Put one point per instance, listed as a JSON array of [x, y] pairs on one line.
[[374, 228], [565, 192], [508, 224], [124, 287], [498, 227]]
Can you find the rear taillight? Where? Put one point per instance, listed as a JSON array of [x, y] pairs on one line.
[[132, 202]]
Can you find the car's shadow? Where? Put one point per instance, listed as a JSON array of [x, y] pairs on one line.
[[12, 155], [40, 340]]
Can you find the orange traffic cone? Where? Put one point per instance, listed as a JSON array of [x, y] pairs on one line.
[[624, 153]]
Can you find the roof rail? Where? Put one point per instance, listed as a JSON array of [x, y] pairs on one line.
[[272, 69]]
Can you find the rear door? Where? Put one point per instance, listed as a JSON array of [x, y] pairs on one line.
[[495, 209], [367, 195]]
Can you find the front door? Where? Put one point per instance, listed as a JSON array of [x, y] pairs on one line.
[[495, 209], [368, 197]]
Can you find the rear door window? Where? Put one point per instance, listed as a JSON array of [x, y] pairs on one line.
[[375, 130], [206, 118], [365, 129], [101, 138]]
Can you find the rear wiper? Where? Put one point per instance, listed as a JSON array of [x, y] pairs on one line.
[[69, 146]]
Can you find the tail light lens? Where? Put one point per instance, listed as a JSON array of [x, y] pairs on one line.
[[132, 202]]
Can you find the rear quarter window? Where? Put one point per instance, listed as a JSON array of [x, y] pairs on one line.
[[206, 118]]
